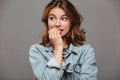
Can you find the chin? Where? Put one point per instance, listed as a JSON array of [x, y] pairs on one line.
[[62, 36]]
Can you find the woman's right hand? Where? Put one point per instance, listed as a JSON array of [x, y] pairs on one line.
[[55, 38]]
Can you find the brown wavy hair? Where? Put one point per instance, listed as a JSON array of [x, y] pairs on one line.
[[76, 34]]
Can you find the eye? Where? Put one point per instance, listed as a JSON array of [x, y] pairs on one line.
[[64, 18], [52, 18]]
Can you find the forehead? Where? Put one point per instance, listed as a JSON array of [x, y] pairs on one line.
[[57, 11]]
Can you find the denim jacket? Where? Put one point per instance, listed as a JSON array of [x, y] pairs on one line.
[[79, 63]]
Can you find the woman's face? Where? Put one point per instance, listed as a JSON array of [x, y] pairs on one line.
[[57, 19]]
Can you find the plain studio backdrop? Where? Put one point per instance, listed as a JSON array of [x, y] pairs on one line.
[[20, 27]]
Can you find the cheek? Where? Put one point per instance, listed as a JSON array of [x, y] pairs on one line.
[[50, 24], [66, 29], [67, 26]]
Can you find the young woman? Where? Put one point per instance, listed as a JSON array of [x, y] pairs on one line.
[[63, 53]]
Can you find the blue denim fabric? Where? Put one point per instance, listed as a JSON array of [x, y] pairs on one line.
[[79, 63]]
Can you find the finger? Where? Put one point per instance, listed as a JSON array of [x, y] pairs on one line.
[[56, 32]]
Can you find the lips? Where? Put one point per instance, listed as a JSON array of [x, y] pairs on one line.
[[61, 29]]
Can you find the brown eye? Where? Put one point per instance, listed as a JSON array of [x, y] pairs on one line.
[[64, 18], [52, 18]]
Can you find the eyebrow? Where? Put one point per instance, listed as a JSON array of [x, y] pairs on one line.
[[55, 15]]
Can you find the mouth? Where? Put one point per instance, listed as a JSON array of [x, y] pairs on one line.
[[61, 31]]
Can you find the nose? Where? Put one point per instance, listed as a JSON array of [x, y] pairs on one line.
[[58, 23]]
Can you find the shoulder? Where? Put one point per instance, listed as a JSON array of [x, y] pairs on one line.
[[86, 47], [36, 48], [87, 50], [83, 47]]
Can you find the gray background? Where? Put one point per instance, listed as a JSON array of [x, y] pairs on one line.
[[20, 27]]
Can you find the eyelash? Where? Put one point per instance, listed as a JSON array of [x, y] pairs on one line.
[[51, 18], [63, 18]]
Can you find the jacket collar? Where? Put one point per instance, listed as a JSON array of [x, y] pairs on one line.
[[72, 48]]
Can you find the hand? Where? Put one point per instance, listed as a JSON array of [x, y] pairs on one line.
[[55, 38]]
